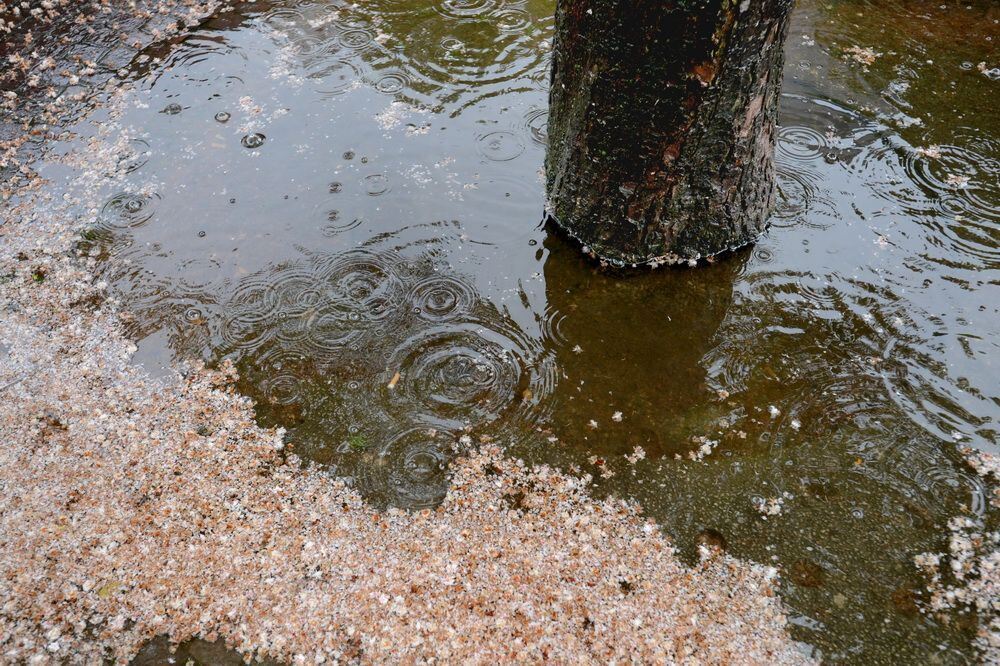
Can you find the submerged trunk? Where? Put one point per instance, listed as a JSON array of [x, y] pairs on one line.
[[662, 125]]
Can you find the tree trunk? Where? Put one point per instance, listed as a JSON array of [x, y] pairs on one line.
[[662, 125]]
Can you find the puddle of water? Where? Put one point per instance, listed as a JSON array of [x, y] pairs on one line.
[[159, 652], [343, 199]]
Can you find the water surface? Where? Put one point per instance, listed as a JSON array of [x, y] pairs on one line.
[[345, 200]]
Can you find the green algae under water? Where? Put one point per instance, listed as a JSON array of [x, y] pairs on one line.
[[347, 205]]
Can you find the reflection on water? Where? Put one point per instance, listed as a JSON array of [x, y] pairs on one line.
[[346, 206]]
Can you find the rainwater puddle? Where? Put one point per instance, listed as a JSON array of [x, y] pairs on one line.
[[344, 199], [159, 652]]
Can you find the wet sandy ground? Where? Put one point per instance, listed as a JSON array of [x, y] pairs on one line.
[[131, 509]]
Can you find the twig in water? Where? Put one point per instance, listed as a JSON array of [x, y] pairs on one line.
[[16, 381]]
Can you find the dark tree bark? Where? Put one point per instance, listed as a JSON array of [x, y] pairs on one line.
[[662, 125]]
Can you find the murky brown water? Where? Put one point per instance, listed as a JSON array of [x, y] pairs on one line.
[[160, 652], [345, 200]]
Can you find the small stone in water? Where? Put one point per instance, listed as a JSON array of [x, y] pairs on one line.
[[395, 380], [638, 453], [770, 507], [222, 117], [255, 140], [807, 573], [957, 181], [932, 152], [905, 601], [172, 109], [711, 539]]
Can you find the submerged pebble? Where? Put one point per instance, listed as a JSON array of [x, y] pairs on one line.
[[254, 140]]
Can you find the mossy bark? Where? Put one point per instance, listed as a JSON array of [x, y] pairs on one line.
[[662, 125]]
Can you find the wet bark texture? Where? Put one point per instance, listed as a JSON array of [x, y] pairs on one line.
[[662, 125]]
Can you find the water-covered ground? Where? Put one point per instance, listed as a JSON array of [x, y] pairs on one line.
[[346, 201]]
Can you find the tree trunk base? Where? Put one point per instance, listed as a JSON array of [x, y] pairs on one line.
[[662, 126], [552, 225]]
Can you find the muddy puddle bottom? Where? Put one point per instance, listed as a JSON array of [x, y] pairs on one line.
[[159, 652], [345, 201]]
